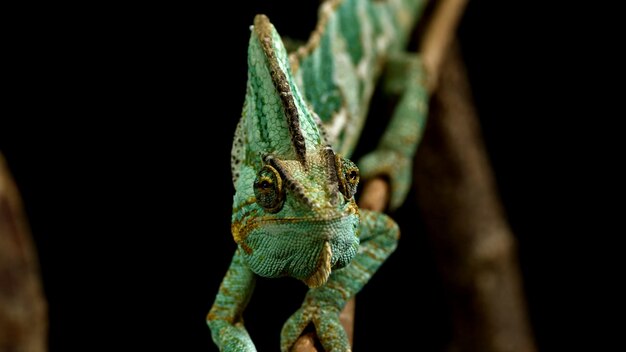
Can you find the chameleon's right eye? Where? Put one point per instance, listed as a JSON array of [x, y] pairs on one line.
[[268, 189], [348, 174]]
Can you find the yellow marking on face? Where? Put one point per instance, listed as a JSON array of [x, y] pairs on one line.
[[240, 233], [352, 208], [249, 201]]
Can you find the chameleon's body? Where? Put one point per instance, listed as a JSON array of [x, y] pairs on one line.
[[294, 212]]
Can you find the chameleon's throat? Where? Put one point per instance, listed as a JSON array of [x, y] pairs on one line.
[[321, 274]]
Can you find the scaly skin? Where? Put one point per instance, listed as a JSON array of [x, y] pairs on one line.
[[294, 212]]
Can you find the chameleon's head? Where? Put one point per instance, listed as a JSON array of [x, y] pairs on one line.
[[294, 212]]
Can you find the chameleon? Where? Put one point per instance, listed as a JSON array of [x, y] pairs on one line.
[[294, 210]]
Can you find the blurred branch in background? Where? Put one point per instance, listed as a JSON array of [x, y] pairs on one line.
[[472, 242], [23, 308]]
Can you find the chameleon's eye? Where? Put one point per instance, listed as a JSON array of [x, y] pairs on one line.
[[268, 189], [348, 175]]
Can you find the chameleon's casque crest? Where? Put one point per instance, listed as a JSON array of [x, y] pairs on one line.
[[275, 109]]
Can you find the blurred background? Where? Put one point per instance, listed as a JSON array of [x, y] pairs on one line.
[[119, 136]]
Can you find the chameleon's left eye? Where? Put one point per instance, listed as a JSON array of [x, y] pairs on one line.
[[348, 174], [268, 189]]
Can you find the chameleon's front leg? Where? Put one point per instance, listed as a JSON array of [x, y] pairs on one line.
[[393, 157], [378, 235], [225, 317]]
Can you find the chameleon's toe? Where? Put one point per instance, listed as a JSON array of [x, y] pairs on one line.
[[293, 328], [330, 332], [393, 166]]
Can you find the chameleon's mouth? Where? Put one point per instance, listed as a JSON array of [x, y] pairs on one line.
[[323, 269]]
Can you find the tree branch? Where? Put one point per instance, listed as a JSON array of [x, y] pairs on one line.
[[23, 309], [473, 244], [439, 35]]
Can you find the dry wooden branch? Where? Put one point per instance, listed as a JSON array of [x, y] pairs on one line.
[[472, 241], [438, 37], [23, 309]]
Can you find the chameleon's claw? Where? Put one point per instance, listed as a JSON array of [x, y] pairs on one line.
[[293, 328], [330, 332], [393, 165]]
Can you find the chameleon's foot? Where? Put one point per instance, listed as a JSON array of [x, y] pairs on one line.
[[393, 165], [231, 338], [394, 154], [325, 319]]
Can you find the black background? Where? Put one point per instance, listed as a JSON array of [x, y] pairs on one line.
[[119, 131]]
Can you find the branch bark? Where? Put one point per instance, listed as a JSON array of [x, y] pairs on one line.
[[438, 38], [23, 309], [473, 243]]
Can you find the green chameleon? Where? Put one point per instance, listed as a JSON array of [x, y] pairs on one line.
[[294, 212]]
